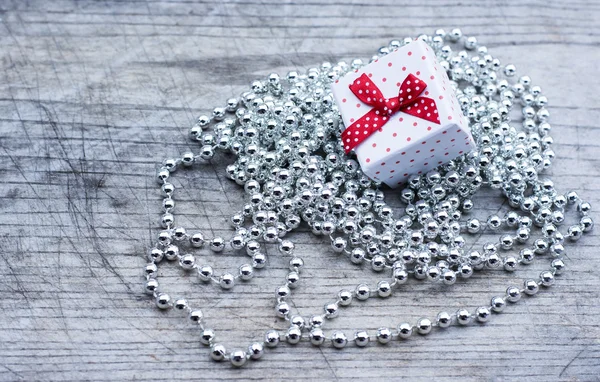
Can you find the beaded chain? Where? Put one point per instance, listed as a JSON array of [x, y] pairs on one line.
[[289, 159]]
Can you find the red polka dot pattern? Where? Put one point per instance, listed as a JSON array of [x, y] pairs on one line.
[[390, 153]]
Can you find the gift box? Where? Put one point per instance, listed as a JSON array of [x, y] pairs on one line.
[[401, 115]]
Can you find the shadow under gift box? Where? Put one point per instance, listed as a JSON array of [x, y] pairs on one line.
[[405, 144]]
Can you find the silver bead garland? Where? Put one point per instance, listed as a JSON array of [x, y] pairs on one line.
[[285, 134]]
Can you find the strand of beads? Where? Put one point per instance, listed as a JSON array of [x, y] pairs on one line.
[[293, 169]]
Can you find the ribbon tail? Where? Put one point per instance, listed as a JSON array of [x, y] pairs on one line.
[[360, 130], [424, 108]]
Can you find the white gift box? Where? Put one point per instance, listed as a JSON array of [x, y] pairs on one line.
[[428, 130]]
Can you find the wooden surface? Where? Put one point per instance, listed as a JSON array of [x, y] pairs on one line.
[[93, 95]]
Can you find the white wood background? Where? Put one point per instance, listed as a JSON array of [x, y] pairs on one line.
[[94, 94]]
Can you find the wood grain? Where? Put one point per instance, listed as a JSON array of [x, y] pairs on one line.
[[93, 94]]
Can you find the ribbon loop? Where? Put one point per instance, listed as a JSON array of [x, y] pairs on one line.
[[407, 101]]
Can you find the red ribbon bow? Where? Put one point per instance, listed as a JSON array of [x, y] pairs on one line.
[[408, 101]]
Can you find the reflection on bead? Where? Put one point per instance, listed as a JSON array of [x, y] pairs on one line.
[[207, 336], [546, 278], [151, 286], [404, 330], [317, 337], [339, 340], [558, 265], [361, 338], [227, 281], [482, 314], [463, 317], [180, 304], [151, 270], [293, 335], [384, 335], [531, 287], [163, 301], [217, 352], [384, 289], [205, 272], [444, 319], [272, 338], [246, 272], [363, 292], [256, 350], [424, 326], [217, 244], [187, 261]]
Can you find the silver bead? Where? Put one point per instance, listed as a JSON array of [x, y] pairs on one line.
[[171, 252], [187, 261], [463, 317], [207, 336], [400, 275], [227, 281], [256, 350], [404, 330], [473, 226], [510, 70], [444, 319], [455, 35], [317, 337], [424, 326], [293, 335], [205, 272], [196, 316], [286, 247], [465, 270], [574, 232], [357, 255], [362, 292], [151, 286], [296, 264], [384, 335], [163, 301], [361, 338], [510, 263], [558, 265], [345, 297], [156, 255], [297, 321], [586, 223], [482, 314], [187, 159], [339, 340], [282, 309], [217, 244], [384, 289], [259, 260], [531, 287], [316, 321], [448, 277], [513, 294], [498, 304], [217, 352], [272, 338], [151, 270], [378, 263], [180, 304], [293, 278], [338, 244], [331, 310], [282, 291], [246, 272], [547, 278]]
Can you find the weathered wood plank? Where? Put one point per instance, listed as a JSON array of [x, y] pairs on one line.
[[94, 94]]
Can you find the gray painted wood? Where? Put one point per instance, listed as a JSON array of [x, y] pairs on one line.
[[94, 94]]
